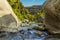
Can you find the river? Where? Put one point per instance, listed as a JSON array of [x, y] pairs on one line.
[[27, 33]]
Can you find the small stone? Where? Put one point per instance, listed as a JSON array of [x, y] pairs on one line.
[[39, 28], [38, 33], [3, 34], [22, 31]]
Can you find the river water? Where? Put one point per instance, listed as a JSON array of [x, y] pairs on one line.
[[26, 34]]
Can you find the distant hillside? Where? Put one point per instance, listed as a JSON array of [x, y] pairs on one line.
[[31, 13], [34, 9], [37, 11]]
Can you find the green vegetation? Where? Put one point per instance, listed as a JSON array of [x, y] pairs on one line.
[[39, 16], [37, 11], [21, 12]]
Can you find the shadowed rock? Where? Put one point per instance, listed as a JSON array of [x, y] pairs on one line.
[[8, 20], [52, 16]]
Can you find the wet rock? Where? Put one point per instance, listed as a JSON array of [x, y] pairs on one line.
[[38, 33], [39, 28], [22, 31], [29, 29], [3, 34], [53, 39], [52, 16], [8, 20]]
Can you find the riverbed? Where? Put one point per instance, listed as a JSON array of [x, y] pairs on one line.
[[27, 33]]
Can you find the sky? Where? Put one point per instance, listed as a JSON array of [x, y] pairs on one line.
[[32, 2]]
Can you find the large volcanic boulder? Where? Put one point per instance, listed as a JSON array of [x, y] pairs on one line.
[[8, 20], [52, 16]]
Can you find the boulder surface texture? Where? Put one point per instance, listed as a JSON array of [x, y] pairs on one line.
[[52, 16], [8, 20]]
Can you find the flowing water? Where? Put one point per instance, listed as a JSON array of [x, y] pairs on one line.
[[26, 34]]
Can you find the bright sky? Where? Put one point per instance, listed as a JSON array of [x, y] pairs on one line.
[[32, 2]]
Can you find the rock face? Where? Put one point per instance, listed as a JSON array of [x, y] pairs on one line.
[[52, 16], [8, 20]]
